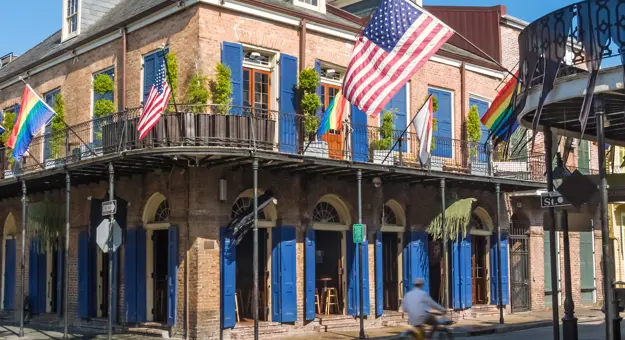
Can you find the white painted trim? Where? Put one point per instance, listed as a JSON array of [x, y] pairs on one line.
[[156, 226], [65, 34], [480, 98], [514, 22], [453, 109], [332, 82], [320, 7], [446, 61], [335, 32], [484, 71]]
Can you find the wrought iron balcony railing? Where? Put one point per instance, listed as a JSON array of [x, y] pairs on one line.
[[247, 128]]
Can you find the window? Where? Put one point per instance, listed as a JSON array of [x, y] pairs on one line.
[[328, 92], [243, 205], [51, 151], [71, 18], [162, 212], [583, 157], [102, 106], [309, 2], [256, 89], [326, 213], [389, 217]]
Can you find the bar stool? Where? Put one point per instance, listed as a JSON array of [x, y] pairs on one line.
[[237, 297], [332, 300], [317, 301]]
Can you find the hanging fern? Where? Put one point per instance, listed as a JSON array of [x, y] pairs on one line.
[[103, 84], [45, 222], [457, 218]]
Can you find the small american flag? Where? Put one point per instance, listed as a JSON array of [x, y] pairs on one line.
[[156, 103], [398, 40]]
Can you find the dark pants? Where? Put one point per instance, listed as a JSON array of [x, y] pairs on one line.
[[431, 320]]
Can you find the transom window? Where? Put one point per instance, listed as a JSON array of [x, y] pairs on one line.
[[254, 57], [325, 213], [162, 212], [331, 73], [72, 16], [242, 205], [476, 223], [256, 89], [389, 216]]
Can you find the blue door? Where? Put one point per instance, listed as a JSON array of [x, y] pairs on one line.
[[353, 277], [397, 105], [37, 278], [284, 277], [466, 272], [172, 274], [456, 276], [134, 270], [228, 279], [442, 145], [9, 275], [83, 274], [360, 136], [482, 108], [309, 273], [494, 278], [288, 97]]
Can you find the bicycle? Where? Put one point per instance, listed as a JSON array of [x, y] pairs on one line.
[[418, 333]]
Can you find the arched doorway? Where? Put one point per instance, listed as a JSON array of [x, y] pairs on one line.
[[393, 228], [519, 262], [480, 229], [330, 224], [9, 262], [244, 258]]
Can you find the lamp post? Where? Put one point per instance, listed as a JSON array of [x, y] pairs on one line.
[[569, 321]]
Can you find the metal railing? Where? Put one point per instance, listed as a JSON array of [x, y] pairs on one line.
[[249, 128]]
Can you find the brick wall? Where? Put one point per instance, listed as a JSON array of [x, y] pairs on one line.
[[537, 268]]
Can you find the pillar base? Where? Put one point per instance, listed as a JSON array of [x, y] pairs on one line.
[[569, 327], [616, 327]]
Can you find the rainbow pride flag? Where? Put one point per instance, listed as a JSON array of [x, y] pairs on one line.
[[498, 117], [332, 119], [34, 114]]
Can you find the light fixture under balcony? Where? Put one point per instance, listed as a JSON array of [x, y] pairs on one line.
[[254, 55]]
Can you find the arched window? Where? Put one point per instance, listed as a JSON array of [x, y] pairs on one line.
[[389, 216], [326, 213], [241, 205]]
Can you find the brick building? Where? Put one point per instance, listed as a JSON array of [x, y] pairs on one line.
[[178, 189]]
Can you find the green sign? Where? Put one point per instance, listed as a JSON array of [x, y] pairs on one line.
[[359, 232]]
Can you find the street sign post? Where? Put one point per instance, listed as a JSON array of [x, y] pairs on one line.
[[553, 200], [109, 208], [102, 235], [360, 233]]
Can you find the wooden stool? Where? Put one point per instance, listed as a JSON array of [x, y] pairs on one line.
[[237, 296], [317, 301], [332, 300]]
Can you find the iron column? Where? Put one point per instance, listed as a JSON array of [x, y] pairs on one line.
[[110, 251], [569, 321], [66, 255], [447, 303], [255, 260], [612, 321], [552, 236], [499, 283], [360, 265], [23, 269]]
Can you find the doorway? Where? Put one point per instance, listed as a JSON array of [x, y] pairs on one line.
[[245, 276], [54, 290], [390, 265], [479, 269], [159, 270], [436, 269], [104, 284], [329, 271]]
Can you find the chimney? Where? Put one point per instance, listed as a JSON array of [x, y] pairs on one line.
[[6, 59]]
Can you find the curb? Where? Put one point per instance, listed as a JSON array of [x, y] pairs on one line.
[[499, 329]]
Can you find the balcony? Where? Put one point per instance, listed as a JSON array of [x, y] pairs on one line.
[[199, 134]]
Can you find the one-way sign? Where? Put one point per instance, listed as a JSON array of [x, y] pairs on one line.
[[553, 200]]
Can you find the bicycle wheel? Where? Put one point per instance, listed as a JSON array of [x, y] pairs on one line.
[[444, 334]]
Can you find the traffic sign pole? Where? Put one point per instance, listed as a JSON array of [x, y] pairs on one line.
[[360, 262], [110, 252]]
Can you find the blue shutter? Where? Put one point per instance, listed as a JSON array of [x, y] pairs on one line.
[[130, 276], [352, 275], [319, 89], [442, 135], [228, 279], [149, 74], [397, 105], [276, 296], [419, 259], [360, 136], [467, 275], [172, 274], [140, 276], [455, 271], [60, 261], [407, 275], [288, 279], [309, 273], [288, 97], [232, 56], [9, 275], [504, 268], [83, 274], [482, 108], [379, 288], [494, 291], [366, 298], [32, 278]]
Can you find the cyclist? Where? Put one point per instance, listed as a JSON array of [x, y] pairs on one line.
[[417, 303]]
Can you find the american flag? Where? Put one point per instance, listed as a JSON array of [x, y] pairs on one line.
[[156, 103], [398, 40]]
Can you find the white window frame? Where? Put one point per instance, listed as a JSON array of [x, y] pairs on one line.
[[66, 33], [274, 86], [320, 7]]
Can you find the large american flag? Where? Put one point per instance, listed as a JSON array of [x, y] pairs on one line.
[[398, 40], [156, 102]]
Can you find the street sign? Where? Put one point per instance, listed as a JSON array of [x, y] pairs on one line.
[[553, 200], [102, 236], [360, 233], [109, 208]]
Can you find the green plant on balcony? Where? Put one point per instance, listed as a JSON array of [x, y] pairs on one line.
[[172, 72], [385, 130], [434, 122], [309, 102], [474, 131], [221, 89], [197, 92], [8, 124], [57, 137], [103, 84]]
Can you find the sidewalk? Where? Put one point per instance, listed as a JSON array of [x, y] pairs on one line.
[[467, 328]]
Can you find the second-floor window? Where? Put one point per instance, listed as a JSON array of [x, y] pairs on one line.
[[257, 82], [328, 92], [72, 16], [51, 151]]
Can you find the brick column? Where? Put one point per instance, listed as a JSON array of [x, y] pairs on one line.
[[598, 264], [576, 276], [537, 268]]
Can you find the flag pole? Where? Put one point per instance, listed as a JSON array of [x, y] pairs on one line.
[[173, 94], [487, 56], [406, 129]]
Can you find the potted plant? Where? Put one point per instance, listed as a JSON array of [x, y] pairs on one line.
[[436, 162], [57, 134], [104, 127], [382, 146], [309, 103], [197, 96], [477, 152], [7, 161], [214, 125]]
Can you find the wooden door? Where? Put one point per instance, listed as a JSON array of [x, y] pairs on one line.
[[334, 138], [478, 267]]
